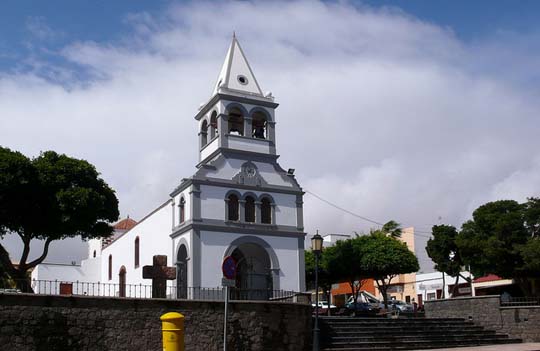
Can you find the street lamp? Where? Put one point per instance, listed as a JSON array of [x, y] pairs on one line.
[[316, 248]]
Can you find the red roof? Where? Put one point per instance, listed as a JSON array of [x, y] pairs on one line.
[[125, 224], [487, 278]]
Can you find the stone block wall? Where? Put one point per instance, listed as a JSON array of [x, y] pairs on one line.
[[58, 323], [518, 322]]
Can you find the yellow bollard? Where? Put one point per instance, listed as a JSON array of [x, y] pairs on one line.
[[172, 326]]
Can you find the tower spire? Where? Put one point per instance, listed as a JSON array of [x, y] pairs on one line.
[[236, 74]]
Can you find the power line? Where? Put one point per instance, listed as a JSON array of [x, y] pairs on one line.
[[343, 209], [362, 217]]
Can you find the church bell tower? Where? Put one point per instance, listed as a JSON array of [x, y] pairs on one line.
[[238, 116], [239, 202]]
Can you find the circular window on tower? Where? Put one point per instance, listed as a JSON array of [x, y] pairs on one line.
[[242, 79]]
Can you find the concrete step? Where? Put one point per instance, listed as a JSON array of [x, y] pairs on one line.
[[400, 338], [374, 334], [413, 333], [416, 345]]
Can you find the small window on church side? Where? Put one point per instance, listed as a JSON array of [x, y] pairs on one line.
[[110, 267], [94, 253], [250, 209], [233, 207], [204, 133], [266, 211], [137, 252], [182, 207], [236, 123]]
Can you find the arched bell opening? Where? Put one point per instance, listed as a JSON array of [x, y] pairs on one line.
[[213, 125], [259, 126], [204, 133], [236, 122]]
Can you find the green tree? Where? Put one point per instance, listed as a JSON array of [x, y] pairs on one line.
[[325, 281], [443, 250], [343, 262], [501, 239], [383, 258], [392, 228], [50, 197]]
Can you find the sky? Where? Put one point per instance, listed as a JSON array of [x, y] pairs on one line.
[[416, 111]]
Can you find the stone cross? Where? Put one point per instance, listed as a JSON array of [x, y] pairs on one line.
[[159, 273]]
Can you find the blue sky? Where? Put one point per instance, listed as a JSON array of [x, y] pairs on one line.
[[105, 21]]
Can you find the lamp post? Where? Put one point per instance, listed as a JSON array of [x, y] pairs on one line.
[[316, 248]]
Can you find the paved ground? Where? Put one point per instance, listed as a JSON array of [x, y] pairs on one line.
[[508, 347]]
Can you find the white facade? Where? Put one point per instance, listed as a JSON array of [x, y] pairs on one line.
[[239, 203], [431, 285]]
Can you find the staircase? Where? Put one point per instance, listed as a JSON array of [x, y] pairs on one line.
[[378, 334]]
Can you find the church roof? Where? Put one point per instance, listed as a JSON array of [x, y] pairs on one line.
[[125, 224], [236, 74]]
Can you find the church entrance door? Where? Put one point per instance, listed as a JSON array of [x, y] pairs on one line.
[[253, 277], [122, 281], [181, 273]]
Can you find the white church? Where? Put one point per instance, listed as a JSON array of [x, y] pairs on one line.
[[239, 203]]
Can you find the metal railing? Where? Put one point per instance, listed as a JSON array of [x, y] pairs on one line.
[[144, 291], [520, 301]]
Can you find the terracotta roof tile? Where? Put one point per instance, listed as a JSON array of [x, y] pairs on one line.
[[487, 278], [125, 224]]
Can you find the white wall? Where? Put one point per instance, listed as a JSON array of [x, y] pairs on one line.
[[153, 233], [248, 144], [429, 283], [46, 277], [209, 148], [94, 245]]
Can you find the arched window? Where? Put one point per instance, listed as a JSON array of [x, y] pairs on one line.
[[266, 210], [236, 122], [136, 252], [182, 208], [250, 209], [122, 282], [204, 133], [232, 207], [110, 267], [258, 129], [213, 125], [94, 253]]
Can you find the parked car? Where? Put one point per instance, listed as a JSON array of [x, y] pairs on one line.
[[324, 305], [360, 307], [399, 306], [365, 297]]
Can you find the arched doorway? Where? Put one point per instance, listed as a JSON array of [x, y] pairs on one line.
[[254, 274], [181, 273], [122, 281]]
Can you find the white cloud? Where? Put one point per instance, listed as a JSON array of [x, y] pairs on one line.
[[381, 113]]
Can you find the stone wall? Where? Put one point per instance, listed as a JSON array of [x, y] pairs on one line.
[[54, 323], [519, 322]]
